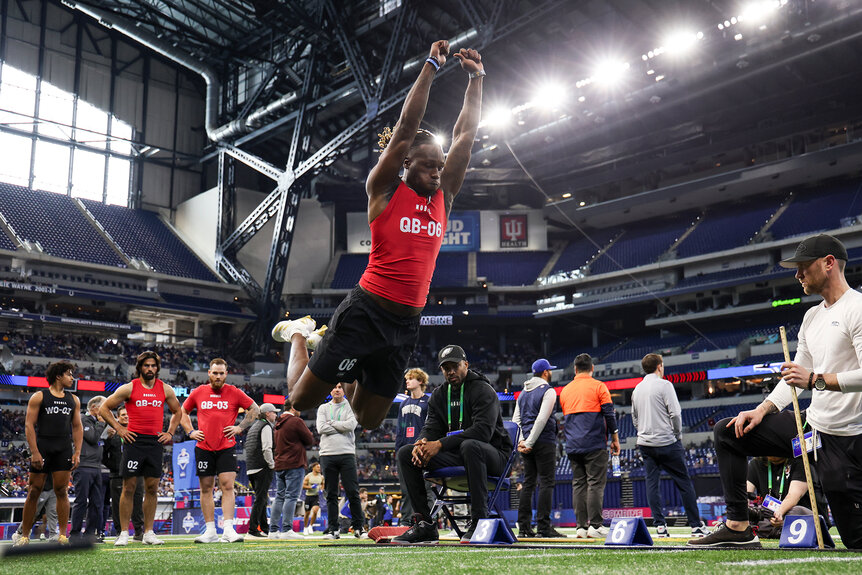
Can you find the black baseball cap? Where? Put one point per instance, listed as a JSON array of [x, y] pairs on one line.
[[816, 247], [451, 353]]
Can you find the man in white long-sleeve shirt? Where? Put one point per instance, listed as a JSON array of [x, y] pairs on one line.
[[335, 424], [534, 413], [829, 362], [658, 419]]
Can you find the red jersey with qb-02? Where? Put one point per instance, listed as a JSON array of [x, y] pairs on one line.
[[405, 241], [146, 408]]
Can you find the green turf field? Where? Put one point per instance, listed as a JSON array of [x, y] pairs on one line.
[[350, 557]]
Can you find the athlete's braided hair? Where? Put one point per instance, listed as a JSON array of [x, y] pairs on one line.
[[422, 137]]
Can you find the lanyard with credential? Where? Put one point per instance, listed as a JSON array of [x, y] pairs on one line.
[[769, 481], [449, 411]]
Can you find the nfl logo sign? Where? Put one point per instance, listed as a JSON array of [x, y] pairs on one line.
[[513, 231]]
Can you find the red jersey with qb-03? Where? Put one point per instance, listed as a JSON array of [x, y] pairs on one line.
[[146, 408], [405, 241], [216, 410]]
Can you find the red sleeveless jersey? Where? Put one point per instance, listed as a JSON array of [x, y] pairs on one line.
[[405, 241], [146, 408]]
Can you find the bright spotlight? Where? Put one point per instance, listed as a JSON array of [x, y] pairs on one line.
[[441, 141], [679, 43], [759, 11], [550, 96], [497, 117], [610, 72]]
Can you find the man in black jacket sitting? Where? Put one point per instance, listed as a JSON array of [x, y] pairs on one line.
[[464, 428]]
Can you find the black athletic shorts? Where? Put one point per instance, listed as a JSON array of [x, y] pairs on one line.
[[311, 501], [142, 458], [56, 454], [366, 343], [211, 463]]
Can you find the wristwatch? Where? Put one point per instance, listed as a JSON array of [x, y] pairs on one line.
[[819, 382]]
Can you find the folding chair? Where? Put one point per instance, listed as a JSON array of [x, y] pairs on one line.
[[446, 479]]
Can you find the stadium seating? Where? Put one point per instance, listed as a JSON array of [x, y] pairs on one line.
[[733, 275], [6, 243], [728, 228], [581, 250], [511, 268], [349, 270], [451, 270], [57, 224], [639, 246], [817, 211], [142, 235], [638, 347]]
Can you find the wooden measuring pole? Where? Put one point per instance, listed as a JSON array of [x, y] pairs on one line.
[[801, 433]]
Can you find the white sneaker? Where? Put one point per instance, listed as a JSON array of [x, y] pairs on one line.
[[207, 537], [700, 531], [284, 330], [122, 539], [290, 534], [598, 532], [661, 531], [257, 535], [332, 535], [21, 542], [231, 536], [308, 530], [581, 533], [314, 338], [273, 535], [15, 537], [151, 539]]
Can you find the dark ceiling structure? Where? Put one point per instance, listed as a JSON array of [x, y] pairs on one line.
[[754, 89]]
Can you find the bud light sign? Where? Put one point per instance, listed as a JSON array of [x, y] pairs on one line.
[[513, 231], [462, 232]]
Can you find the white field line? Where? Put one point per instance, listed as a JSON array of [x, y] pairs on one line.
[[757, 562]]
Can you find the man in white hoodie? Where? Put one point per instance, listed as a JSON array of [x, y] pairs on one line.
[[335, 424], [534, 414]]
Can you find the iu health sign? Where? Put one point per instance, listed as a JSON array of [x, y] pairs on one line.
[[462, 233]]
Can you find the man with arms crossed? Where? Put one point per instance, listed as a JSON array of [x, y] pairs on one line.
[[828, 362], [218, 405], [374, 330], [145, 398], [52, 425]]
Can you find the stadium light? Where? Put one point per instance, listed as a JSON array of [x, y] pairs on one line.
[[679, 43], [550, 96], [440, 140], [498, 117], [610, 72], [758, 12]]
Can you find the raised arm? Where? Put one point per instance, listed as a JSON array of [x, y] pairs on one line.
[[380, 180], [466, 127]]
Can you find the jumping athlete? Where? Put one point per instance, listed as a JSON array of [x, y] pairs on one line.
[[144, 438], [373, 332], [215, 452], [52, 425]]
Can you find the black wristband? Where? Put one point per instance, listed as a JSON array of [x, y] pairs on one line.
[[811, 380]]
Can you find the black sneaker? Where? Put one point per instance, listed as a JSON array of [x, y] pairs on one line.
[[421, 533], [471, 529], [526, 531], [724, 536], [139, 535], [550, 532]]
